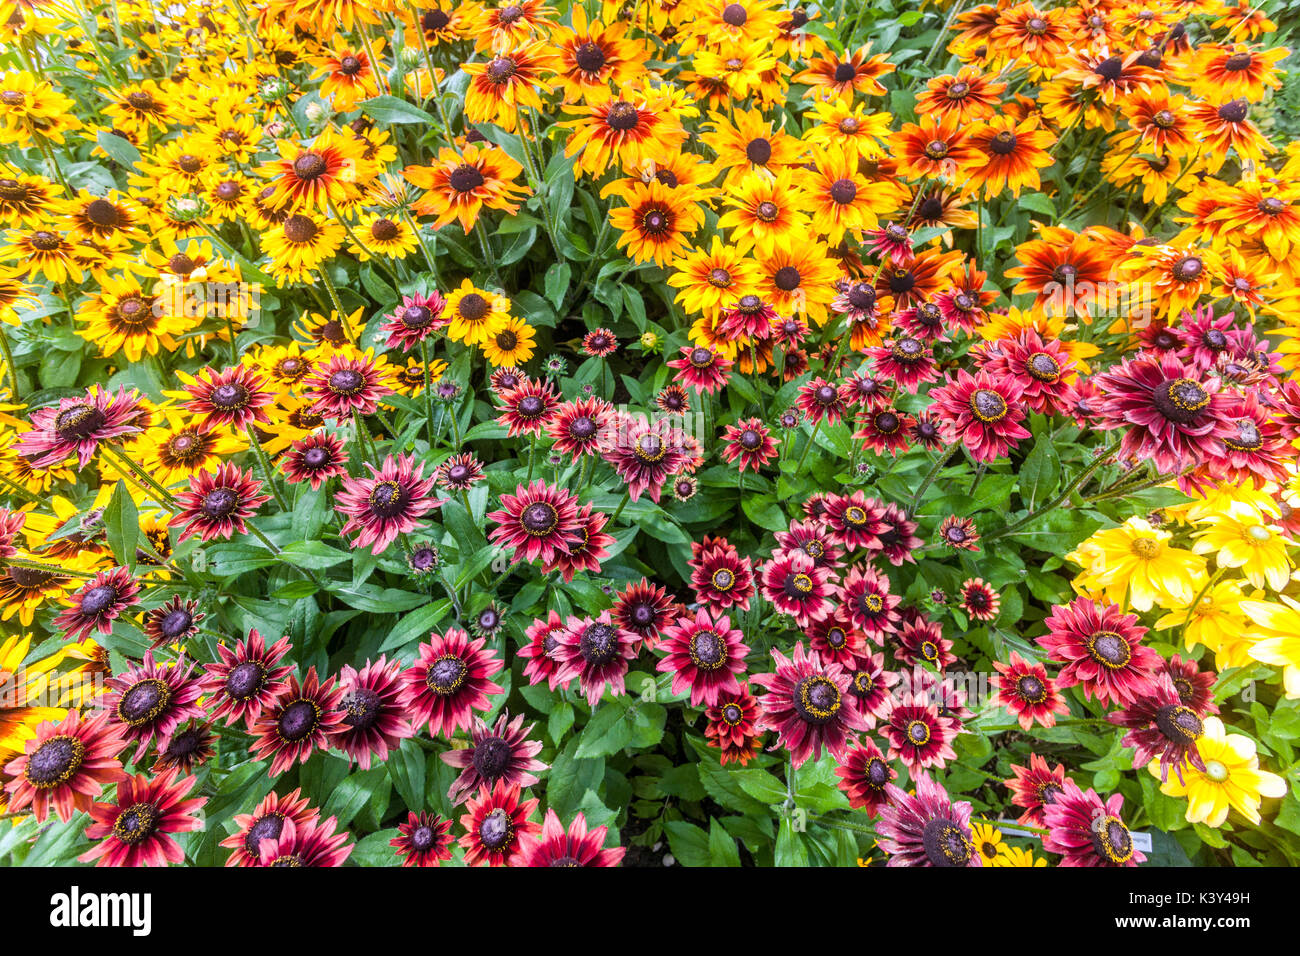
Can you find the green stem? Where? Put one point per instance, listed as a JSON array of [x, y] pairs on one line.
[[428, 391], [1060, 499], [812, 439], [338, 306], [627, 496], [10, 371], [260, 454], [932, 475]]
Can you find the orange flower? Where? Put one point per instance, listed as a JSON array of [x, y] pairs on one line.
[[498, 87], [966, 97], [1012, 155], [859, 73], [461, 182]]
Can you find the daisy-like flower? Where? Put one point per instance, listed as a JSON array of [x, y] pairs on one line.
[[374, 719], [597, 652], [731, 727], [315, 459], [978, 600], [217, 504], [751, 442], [1231, 779], [885, 430], [301, 719], [1035, 787], [417, 318], [644, 453], [704, 655], [496, 823], [316, 176], [581, 427], [528, 408], [1086, 831], [234, 398], [347, 384], [1161, 726], [1257, 454], [958, 533], [864, 773], [590, 549], [796, 586], [173, 622], [449, 681], [1137, 563], [855, 521], [750, 318], [459, 472], [808, 705], [982, 412], [870, 606], [811, 539], [702, 369], [600, 343], [500, 753], [1171, 416], [1240, 537], [835, 639], [134, 830], [150, 700], [537, 522], [720, 577], [318, 843], [906, 362], [1024, 688], [645, 609], [857, 72], [387, 504], [539, 650], [574, 847], [77, 426], [927, 829], [821, 401], [923, 640], [1101, 648], [463, 181], [266, 822], [247, 679], [1041, 368], [657, 222], [423, 840], [919, 735], [1011, 154], [64, 766], [98, 604], [897, 534]]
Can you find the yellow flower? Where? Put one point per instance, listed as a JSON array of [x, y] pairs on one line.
[[1215, 619], [1137, 560], [22, 684], [1232, 778], [473, 311], [988, 840], [1280, 645], [1244, 541], [1014, 856], [508, 341]]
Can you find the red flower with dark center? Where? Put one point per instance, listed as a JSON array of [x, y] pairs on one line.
[[922, 640], [318, 843], [76, 426], [897, 535], [1257, 454], [597, 652], [927, 431], [506, 378], [218, 502], [374, 717], [1041, 368], [246, 680], [98, 604], [821, 401], [810, 539], [885, 430], [958, 533], [581, 427], [855, 520], [301, 719], [150, 700], [174, 622], [1204, 337], [575, 847], [316, 458], [1025, 689], [64, 766], [1171, 417], [645, 609], [235, 397], [978, 600], [857, 301], [1160, 724], [600, 343], [1086, 831], [927, 829], [423, 840], [982, 412], [796, 586], [496, 821], [864, 391], [749, 319], [808, 705], [590, 549], [528, 408], [1195, 687], [459, 472], [890, 241], [449, 681], [542, 665], [868, 603], [731, 726], [704, 655], [645, 453], [906, 362], [417, 318], [11, 522], [702, 369], [266, 822], [536, 522], [925, 322], [186, 748], [1035, 787], [919, 736], [345, 385], [499, 753], [134, 830], [836, 640], [863, 774], [673, 400], [387, 504], [721, 578], [1102, 650], [751, 442], [870, 684]]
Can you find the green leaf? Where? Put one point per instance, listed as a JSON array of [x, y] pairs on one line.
[[608, 731], [391, 110], [313, 555], [761, 785], [790, 848], [1041, 471], [1037, 202], [557, 283], [122, 520], [416, 625], [347, 799], [119, 150], [722, 846], [690, 845]]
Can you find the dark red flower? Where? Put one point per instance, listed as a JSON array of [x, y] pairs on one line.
[[64, 766], [645, 453], [958, 533], [246, 680], [731, 726], [978, 600], [536, 522], [869, 684], [982, 412], [300, 720], [702, 369], [811, 539], [836, 640], [1041, 368], [855, 520], [1195, 687], [134, 830], [589, 550], [540, 650], [582, 427], [98, 604], [720, 577], [906, 362], [459, 472], [528, 408], [449, 681], [927, 829], [186, 748], [374, 718], [496, 821], [751, 442], [575, 847], [1086, 831], [796, 586], [645, 609], [388, 503], [919, 736], [897, 535], [922, 640], [1160, 725], [868, 602], [76, 426], [600, 343], [863, 774], [884, 430], [1257, 454], [499, 753], [749, 319], [808, 705], [218, 503], [597, 652], [318, 843], [151, 699], [1035, 787], [235, 397], [423, 840], [418, 317], [705, 655], [821, 401], [316, 459], [344, 385], [266, 822], [1025, 689], [1101, 648]]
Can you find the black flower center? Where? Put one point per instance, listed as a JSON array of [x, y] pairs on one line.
[[759, 151], [817, 699], [496, 831], [465, 178], [143, 702], [1109, 649], [1031, 689], [298, 720], [98, 600], [446, 675], [589, 57], [78, 422], [1112, 841], [844, 191], [988, 405], [599, 644], [1004, 143], [220, 503], [1181, 400], [346, 381], [844, 72], [268, 827], [136, 823], [1179, 723], [54, 762], [733, 14], [540, 519], [708, 651], [945, 843], [622, 116], [361, 708], [176, 623], [245, 680], [388, 499]]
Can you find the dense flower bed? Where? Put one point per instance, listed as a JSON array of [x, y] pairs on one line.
[[729, 433]]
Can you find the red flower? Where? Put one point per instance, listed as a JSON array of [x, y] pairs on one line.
[[267, 822], [906, 362], [496, 821], [418, 317], [495, 754], [65, 766], [459, 472], [540, 650], [836, 640], [589, 551], [347, 384], [958, 533], [597, 652], [450, 681], [705, 655], [927, 829], [731, 726], [1161, 725], [1195, 687], [796, 586], [870, 686], [1102, 650], [98, 604], [423, 840], [922, 640], [702, 369], [720, 577], [300, 720], [217, 503], [897, 535], [76, 426], [750, 319], [919, 736], [751, 442], [979, 600], [870, 606], [1035, 787], [576, 847], [810, 539], [234, 397], [600, 343], [580, 428], [864, 774], [528, 408], [310, 844], [855, 520], [150, 700], [1039, 367], [645, 609], [885, 430], [133, 831], [11, 522], [537, 522], [387, 504], [821, 401], [316, 458], [246, 679], [1258, 452], [982, 412], [645, 453], [808, 705], [1025, 689], [1086, 831], [374, 718]]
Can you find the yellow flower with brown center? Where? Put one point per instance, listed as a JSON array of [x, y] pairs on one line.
[[462, 181], [656, 223]]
